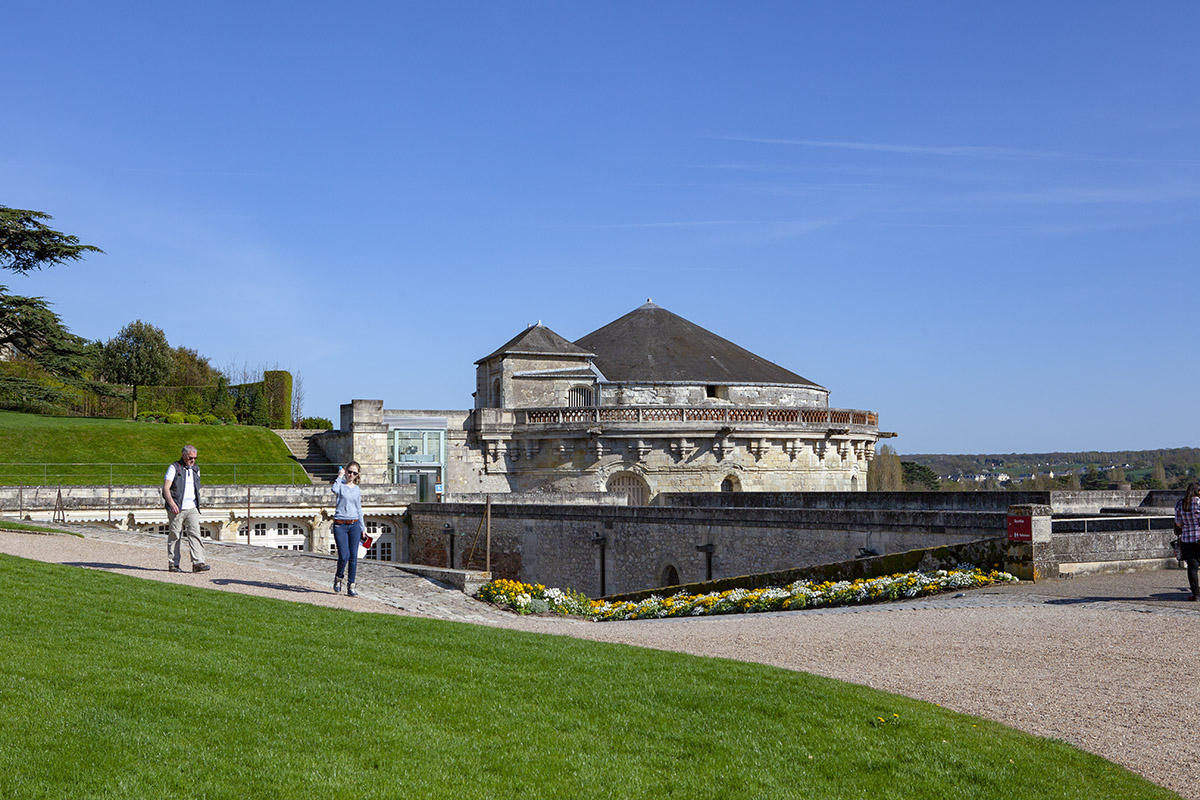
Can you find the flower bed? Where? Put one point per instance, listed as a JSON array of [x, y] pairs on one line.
[[527, 598]]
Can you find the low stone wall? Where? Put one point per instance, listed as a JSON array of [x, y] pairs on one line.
[[540, 498], [1092, 501], [642, 547], [41, 498], [996, 502], [982, 553], [1044, 545]]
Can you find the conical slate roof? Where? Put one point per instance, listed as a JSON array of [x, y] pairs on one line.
[[537, 340], [650, 344]]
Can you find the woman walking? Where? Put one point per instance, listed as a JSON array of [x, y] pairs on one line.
[[1187, 517], [347, 525]]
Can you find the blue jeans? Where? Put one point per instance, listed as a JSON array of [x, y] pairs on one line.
[[348, 538]]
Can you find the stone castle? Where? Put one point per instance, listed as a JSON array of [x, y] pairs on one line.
[[649, 403]]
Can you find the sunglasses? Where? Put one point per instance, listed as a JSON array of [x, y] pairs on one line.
[[352, 472]]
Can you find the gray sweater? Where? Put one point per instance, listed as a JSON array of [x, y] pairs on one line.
[[349, 499]]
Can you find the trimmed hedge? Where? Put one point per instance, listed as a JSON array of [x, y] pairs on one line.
[[277, 388]]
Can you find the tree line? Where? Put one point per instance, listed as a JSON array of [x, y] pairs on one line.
[[1171, 468], [44, 368]]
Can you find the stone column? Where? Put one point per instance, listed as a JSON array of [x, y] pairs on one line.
[[363, 420], [1029, 555]]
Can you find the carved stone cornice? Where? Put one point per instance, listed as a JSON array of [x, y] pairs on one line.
[[682, 448]]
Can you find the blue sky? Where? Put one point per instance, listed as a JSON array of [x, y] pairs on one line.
[[980, 222]]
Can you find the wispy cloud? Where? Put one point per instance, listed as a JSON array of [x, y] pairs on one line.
[[1067, 195], [745, 231], [705, 223], [958, 151]]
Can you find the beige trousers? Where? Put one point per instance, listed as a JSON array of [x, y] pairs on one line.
[[185, 523]]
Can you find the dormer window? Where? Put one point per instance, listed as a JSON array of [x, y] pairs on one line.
[[580, 397]]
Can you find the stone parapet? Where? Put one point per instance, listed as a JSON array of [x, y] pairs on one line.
[[992, 501]]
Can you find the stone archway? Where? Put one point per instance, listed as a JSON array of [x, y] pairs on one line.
[[632, 485], [731, 484], [670, 576]]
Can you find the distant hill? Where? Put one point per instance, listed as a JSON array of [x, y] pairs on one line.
[[1177, 463]]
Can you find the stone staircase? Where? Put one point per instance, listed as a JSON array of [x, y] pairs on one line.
[[306, 450]]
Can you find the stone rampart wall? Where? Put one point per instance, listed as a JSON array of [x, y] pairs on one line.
[[982, 553], [555, 545]]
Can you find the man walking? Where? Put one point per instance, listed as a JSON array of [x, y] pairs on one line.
[[181, 491]]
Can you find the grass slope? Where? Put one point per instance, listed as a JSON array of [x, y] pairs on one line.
[[122, 688], [74, 450]]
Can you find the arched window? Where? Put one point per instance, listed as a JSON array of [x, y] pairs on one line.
[[731, 484], [496, 394], [580, 397], [670, 576], [631, 486]]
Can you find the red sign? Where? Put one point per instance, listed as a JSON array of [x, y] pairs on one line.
[[1020, 529]]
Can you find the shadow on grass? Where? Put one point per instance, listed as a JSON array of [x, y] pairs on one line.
[[282, 587]]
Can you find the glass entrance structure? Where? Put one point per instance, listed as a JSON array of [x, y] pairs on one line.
[[417, 454]]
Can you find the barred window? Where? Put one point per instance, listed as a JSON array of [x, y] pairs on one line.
[[580, 397]]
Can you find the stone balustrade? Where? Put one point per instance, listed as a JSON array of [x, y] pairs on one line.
[[718, 415]]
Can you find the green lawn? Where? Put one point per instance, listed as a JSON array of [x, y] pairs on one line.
[[115, 687], [8, 525], [38, 450]]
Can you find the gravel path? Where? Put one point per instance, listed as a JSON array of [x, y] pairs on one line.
[[1105, 662]]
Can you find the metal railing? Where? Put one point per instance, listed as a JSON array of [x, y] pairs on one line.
[[29, 473], [1107, 523]]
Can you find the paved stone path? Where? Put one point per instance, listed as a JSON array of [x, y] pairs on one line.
[[1108, 663], [266, 571]]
